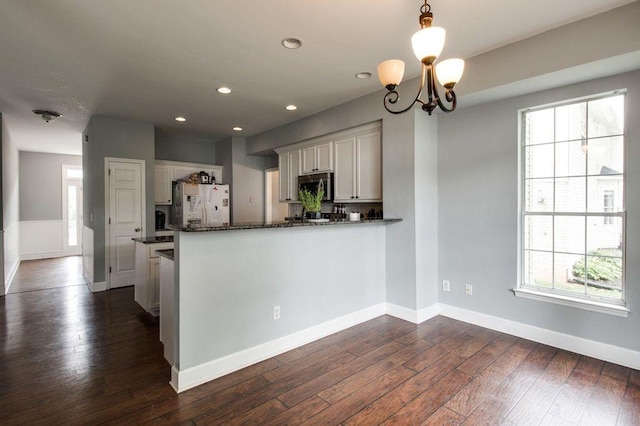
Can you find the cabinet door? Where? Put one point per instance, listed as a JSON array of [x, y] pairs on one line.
[[324, 157], [369, 167], [294, 172], [344, 176], [309, 159], [162, 184], [154, 284], [183, 172], [284, 170]]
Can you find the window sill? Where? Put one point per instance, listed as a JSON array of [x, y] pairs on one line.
[[589, 305]]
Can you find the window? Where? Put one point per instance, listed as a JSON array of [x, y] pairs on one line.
[[572, 194]]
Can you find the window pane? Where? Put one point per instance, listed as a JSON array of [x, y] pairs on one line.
[[538, 232], [539, 195], [606, 116], [539, 161], [570, 194], [539, 127], [606, 156], [538, 269], [571, 159], [74, 173], [604, 236], [569, 233], [72, 218], [563, 273], [605, 194], [571, 122]]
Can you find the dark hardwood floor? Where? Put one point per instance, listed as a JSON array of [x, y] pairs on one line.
[[41, 274], [72, 357]]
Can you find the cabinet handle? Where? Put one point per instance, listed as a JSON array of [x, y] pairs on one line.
[[356, 196], [353, 196]]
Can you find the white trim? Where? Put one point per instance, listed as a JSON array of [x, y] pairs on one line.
[[96, 287], [411, 315], [589, 305], [43, 255], [353, 131], [107, 205], [182, 380], [11, 244], [599, 350]]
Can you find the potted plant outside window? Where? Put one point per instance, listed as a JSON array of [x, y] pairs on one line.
[[311, 201]]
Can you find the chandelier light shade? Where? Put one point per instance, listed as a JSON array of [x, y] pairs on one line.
[[427, 45]]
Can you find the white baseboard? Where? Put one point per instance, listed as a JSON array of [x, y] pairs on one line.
[[182, 380], [10, 275], [96, 287], [36, 256], [579, 345]]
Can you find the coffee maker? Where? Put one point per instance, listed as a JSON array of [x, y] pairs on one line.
[[161, 218]]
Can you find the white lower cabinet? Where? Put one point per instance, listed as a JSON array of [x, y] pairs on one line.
[[147, 277]]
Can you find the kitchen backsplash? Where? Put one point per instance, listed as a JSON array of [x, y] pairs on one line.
[[365, 209]]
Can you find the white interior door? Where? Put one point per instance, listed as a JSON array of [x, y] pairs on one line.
[[71, 210], [125, 220]]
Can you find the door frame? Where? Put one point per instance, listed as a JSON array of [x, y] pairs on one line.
[[65, 208], [107, 210]]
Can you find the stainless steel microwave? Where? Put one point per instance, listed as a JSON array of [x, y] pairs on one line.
[[311, 182]]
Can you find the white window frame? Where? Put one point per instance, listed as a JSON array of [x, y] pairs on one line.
[[605, 306]]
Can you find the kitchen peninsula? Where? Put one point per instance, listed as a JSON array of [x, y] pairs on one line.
[[247, 292]]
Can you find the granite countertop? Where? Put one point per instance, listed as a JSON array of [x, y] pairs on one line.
[[168, 253], [154, 240], [263, 225]]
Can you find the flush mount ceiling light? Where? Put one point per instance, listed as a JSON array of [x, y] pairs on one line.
[[291, 107], [181, 119], [427, 44], [363, 75], [237, 129], [292, 42], [224, 90], [47, 116]]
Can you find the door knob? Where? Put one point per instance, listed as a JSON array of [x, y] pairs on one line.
[[137, 229]]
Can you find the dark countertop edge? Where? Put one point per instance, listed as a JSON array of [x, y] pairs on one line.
[[154, 240], [166, 253], [280, 225]]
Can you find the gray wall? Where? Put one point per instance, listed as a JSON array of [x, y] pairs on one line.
[[41, 184], [113, 137], [245, 175], [478, 211], [185, 147]]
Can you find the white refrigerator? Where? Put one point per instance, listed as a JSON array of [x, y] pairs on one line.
[[195, 204]]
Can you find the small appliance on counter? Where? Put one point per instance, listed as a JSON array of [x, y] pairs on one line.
[[161, 219]]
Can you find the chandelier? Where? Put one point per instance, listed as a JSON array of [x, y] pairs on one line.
[[427, 44]]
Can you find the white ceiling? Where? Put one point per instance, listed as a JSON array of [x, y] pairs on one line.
[[152, 60]]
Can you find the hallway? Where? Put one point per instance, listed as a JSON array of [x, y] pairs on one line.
[[41, 274]]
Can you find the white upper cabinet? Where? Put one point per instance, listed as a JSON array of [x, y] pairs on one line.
[[317, 158], [358, 168], [162, 184], [289, 170], [167, 171]]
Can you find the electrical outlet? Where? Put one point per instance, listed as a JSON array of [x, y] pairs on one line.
[[276, 313], [468, 289], [446, 285]]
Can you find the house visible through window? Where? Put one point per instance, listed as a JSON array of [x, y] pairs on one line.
[[573, 219]]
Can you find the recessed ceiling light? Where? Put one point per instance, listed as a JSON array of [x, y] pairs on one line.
[[237, 129], [291, 107], [224, 90], [181, 119], [292, 42], [363, 75]]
